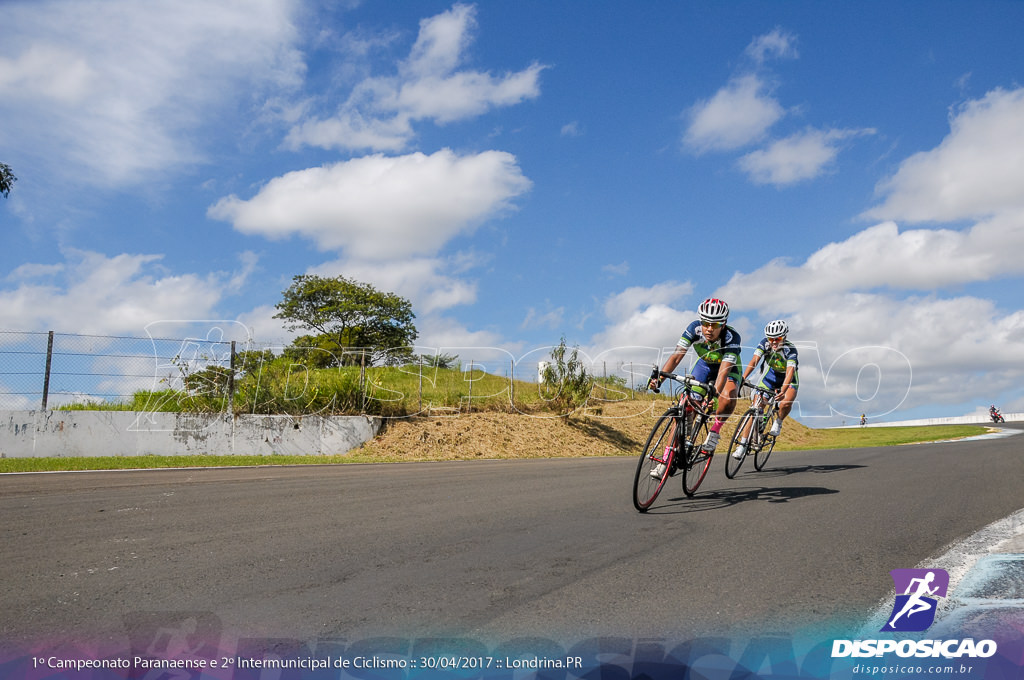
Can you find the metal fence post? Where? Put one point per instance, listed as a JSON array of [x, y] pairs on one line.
[[231, 382], [46, 376]]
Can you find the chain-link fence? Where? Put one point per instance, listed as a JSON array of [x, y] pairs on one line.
[[48, 370]]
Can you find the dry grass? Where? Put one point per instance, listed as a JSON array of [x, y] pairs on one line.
[[612, 429]]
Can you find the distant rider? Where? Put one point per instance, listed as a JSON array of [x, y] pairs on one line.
[[718, 346], [781, 361]]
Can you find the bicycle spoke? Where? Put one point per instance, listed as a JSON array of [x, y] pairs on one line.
[[646, 486], [744, 430], [698, 461]]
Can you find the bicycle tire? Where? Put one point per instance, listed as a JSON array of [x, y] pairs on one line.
[[767, 443], [645, 487], [732, 465], [697, 461]]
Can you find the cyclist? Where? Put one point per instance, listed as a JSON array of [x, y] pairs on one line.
[[781, 361], [718, 346]]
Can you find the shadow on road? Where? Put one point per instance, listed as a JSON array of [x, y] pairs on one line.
[[797, 469], [722, 498]]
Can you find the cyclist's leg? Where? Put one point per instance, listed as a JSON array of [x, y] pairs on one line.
[[707, 373], [785, 404], [726, 404], [659, 470]]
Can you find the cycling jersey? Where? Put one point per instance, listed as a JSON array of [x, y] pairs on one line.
[[778, 361], [712, 353]]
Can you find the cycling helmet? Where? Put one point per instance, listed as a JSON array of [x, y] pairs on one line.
[[713, 310], [776, 329]]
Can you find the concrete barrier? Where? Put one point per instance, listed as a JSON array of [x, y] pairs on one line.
[[952, 420], [41, 434]]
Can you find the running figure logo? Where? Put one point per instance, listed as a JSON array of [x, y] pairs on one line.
[[914, 609]]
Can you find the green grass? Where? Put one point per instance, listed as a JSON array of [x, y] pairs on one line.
[[148, 462], [278, 388], [848, 438]]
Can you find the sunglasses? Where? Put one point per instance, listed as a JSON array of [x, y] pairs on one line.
[[711, 324]]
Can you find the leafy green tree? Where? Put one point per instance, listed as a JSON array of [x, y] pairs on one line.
[[317, 351], [251, 361], [350, 315], [212, 380], [7, 179], [565, 380], [438, 360]]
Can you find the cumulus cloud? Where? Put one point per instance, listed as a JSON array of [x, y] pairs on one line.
[[106, 90], [432, 284], [95, 294], [737, 115], [624, 305], [977, 171], [884, 257], [381, 207], [430, 84], [799, 157], [778, 44]]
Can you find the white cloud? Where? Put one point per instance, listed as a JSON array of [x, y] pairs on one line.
[[884, 257], [620, 269], [552, 318], [738, 114], [802, 156], [977, 171], [778, 44], [380, 111], [627, 303], [105, 90], [97, 294], [380, 207], [426, 282], [571, 129]]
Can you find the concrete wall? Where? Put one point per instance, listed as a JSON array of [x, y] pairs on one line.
[[27, 434], [954, 420]]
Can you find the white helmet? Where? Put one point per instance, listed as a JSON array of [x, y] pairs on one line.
[[713, 310], [776, 329]]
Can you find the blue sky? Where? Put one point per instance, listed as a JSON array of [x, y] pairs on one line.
[[524, 171]]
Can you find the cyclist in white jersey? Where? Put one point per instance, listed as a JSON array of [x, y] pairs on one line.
[[718, 346], [781, 362]]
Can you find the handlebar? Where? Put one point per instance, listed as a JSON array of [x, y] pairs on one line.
[[769, 393], [687, 380]]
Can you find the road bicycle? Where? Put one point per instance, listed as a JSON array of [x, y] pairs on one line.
[[754, 430], [675, 441]]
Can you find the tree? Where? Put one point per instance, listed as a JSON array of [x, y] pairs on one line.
[[351, 315], [7, 179], [438, 360], [566, 380]]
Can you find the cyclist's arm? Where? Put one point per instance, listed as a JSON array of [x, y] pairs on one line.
[[670, 365], [751, 365], [723, 375], [674, 359], [790, 371]]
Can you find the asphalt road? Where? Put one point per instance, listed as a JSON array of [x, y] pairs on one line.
[[487, 550]]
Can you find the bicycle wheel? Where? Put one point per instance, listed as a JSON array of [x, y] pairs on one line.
[[744, 428], [645, 487], [767, 443], [697, 460]]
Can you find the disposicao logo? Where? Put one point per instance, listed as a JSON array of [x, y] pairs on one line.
[[917, 593], [914, 609]]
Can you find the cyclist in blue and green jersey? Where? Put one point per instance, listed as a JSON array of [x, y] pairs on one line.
[[718, 346], [781, 361]]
